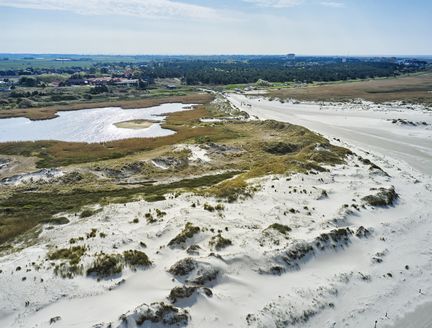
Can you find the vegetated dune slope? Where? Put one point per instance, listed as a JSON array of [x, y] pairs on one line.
[[346, 247]]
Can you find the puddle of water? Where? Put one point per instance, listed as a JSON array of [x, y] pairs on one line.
[[89, 125]]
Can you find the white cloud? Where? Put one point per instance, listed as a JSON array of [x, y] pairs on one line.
[[276, 3], [140, 8], [333, 4], [292, 3]]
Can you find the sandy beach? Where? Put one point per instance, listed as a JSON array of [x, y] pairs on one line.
[[362, 124], [366, 126], [304, 250]]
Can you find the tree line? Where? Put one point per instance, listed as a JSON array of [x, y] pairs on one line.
[[237, 70], [216, 73]]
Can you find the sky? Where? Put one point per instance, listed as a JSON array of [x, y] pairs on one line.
[[308, 27]]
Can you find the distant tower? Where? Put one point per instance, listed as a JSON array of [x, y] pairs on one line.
[[291, 56]]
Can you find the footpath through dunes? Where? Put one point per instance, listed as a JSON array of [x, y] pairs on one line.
[[391, 133], [402, 132]]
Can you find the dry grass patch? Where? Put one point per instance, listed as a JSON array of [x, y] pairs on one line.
[[72, 254], [293, 149], [409, 88], [267, 147], [44, 113], [22, 211], [58, 153]]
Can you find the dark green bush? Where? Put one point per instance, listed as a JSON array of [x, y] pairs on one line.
[[188, 232], [135, 258], [106, 265]]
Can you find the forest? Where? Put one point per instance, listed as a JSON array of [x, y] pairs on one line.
[[216, 70], [277, 69]]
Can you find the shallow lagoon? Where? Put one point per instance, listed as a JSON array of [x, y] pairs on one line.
[[89, 125]]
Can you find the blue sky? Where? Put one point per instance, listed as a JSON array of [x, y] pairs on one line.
[[316, 27]]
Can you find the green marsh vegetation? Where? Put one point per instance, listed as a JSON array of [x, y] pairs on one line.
[[267, 147]]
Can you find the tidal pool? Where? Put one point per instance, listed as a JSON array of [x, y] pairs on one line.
[[89, 125]]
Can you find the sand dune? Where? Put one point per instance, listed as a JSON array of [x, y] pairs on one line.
[[306, 250]]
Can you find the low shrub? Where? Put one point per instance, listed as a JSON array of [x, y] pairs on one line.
[[56, 221], [209, 207], [183, 267], [384, 197], [150, 219], [188, 232], [92, 233], [87, 213], [160, 213], [134, 258], [106, 265], [181, 292], [73, 254], [280, 148], [67, 270], [283, 229], [218, 242]]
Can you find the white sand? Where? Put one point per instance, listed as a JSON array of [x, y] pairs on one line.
[[366, 125], [197, 153], [44, 175], [363, 125], [421, 317], [340, 287]]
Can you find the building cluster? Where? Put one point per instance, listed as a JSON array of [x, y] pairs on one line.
[[5, 85], [102, 81]]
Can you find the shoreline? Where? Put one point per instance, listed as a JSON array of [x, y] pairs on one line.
[[354, 281], [47, 113]]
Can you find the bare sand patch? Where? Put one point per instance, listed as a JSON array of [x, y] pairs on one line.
[[135, 124]]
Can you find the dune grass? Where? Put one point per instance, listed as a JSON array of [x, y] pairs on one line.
[[45, 113], [413, 88], [73, 254], [267, 147], [303, 155], [21, 212], [59, 153]]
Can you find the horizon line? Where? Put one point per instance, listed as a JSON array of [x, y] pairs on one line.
[[213, 54]]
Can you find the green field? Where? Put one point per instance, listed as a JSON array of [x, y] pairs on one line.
[[17, 62]]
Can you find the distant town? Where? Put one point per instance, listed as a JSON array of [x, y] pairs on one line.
[[44, 80]]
